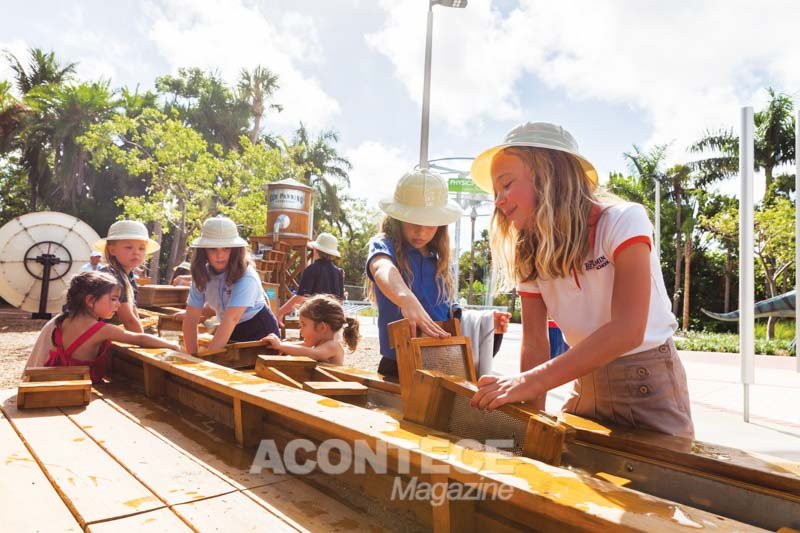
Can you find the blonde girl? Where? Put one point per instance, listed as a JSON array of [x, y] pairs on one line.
[[321, 319], [79, 335], [224, 280], [408, 263], [125, 249], [590, 265]]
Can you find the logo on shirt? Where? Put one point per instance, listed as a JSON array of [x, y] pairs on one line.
[[597, 264]]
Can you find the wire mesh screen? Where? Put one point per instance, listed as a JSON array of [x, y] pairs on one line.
[[470, 423], [449, 359]]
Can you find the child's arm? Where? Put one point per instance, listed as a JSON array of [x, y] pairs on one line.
[[289, 306], [189, 328], [325, 352], [226, 327], [114, 333], [129, 317], [390, 282], [630, 304]]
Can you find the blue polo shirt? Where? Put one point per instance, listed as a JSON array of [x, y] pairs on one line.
[[246, 292], [423, 285]]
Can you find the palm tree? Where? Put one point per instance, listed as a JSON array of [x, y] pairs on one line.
[[256, 88], [66, 112], [32, 140], [324, 169]]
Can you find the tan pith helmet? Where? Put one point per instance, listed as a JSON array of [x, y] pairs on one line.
[[128, 230], [421, 197], [533, 134]]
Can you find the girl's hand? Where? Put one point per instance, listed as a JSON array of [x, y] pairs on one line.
[[273, 341], [413, 311], [494, 391], [175, 346], [501, 319]]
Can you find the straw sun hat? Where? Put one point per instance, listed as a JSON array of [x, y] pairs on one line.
[[421, 197], [219, 232], [124, 230], [326, 243], [537, 135]]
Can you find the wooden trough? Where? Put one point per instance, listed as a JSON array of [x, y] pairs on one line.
[[62, 386]]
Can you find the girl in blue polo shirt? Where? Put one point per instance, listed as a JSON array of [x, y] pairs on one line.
[[223, 278], [409, 261]]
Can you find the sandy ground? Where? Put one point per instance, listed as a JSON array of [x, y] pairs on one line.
[[18, 334]]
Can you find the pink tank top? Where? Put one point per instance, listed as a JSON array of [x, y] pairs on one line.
[[62, 357]]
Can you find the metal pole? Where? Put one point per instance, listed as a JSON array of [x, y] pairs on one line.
[[746, 270], [797, 233], [458, 248], [472, 216], [658, 220], [426, 93]]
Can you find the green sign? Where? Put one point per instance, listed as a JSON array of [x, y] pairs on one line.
[[464, 185]]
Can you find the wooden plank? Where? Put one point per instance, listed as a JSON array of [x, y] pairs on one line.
[[94, 486], [306, 507], [248, 423], [572, 498], [156, 521], [154, 381], [231, 512], [372, 380], [169, 473], [206, 441], [56, 373], [279, 361], [40, 394], [731, 463], [335, 388], [451, 515], [273, 374], [429, 403], [29, 500], [55, 386]]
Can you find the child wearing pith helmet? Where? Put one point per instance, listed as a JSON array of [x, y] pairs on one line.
[[589, 263], [223, 279]]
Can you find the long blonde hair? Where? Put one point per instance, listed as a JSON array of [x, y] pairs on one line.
[[440, 245], [556, 241]]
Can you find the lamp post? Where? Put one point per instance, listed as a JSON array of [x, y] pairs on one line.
[[657, 179], [426, 87]]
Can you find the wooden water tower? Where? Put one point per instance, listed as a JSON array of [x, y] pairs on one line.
[[290, 211], [295, 200]]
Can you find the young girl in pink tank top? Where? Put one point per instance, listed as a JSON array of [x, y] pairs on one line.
[[78, 336]]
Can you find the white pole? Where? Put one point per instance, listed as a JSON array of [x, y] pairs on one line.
[[797, 234], [426, 93], [658, 220], [458, 247], [746, 270]]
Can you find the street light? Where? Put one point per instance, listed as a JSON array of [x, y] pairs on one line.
[[426, 87]]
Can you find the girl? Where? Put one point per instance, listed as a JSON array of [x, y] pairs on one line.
[[321, 318], [125, 248], [321, 277], [590, 265], [408, 262], [78, 336], [223, 278]]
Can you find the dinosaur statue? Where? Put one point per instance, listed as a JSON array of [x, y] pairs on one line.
[[782, 305]]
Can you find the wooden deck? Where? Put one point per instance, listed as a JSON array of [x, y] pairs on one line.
[[125, 463]]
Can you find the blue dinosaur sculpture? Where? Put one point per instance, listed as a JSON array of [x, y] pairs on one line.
[[782, 305]]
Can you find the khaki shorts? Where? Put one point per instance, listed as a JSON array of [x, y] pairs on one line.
[[645, 390]]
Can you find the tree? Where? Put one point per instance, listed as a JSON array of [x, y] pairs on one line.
[[31, 139], [203, 101], [325, 170], [257, 88]]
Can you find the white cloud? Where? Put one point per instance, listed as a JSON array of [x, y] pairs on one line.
[[232, 35], [687, 67], [376, 170]]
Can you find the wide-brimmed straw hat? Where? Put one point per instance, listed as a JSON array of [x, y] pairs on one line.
[[219, 232], [421, 197], [186, 265], [326, 243], [128, 230], [537, 135]]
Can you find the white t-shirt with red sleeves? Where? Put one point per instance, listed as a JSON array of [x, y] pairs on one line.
[[581, 303]]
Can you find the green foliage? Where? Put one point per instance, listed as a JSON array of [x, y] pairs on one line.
[[703, 341]]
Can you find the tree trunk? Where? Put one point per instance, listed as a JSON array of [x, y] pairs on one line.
[[728, 271], [676, 294], [687, 278], [155, 261], [256, 128]]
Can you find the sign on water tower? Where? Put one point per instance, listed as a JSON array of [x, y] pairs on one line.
[[286, 199]]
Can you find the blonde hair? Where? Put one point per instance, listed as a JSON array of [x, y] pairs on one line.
[[440, 245], [115, 266], [327, 309], [556, 239]]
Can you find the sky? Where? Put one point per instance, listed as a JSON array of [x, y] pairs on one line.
[[613, 72]]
